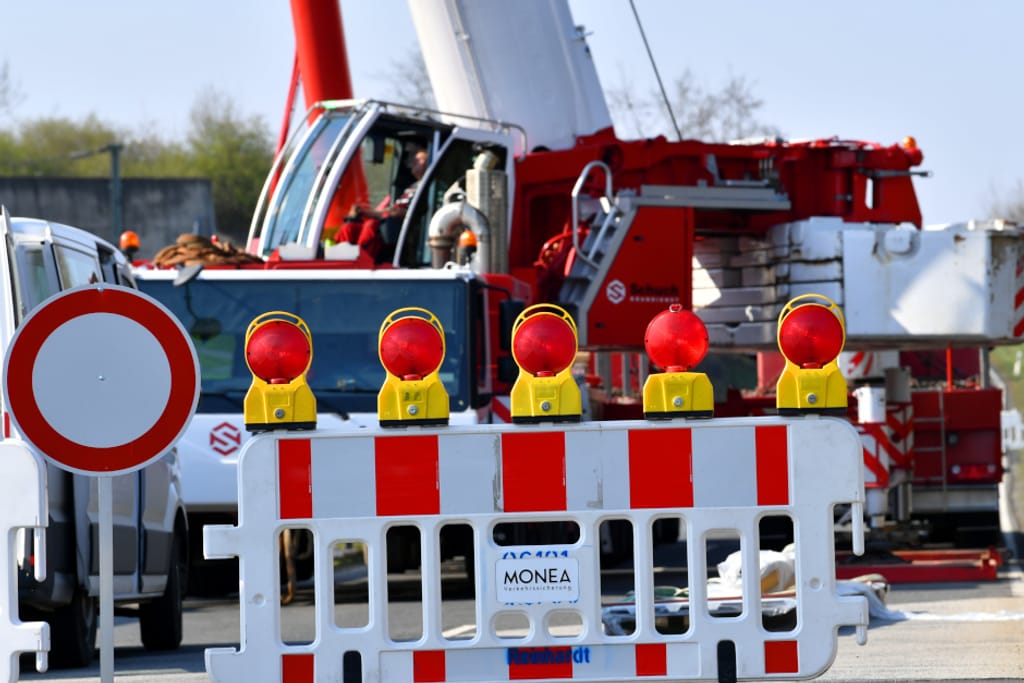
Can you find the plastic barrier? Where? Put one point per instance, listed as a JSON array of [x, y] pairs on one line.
[[721, 474], [22, 505]]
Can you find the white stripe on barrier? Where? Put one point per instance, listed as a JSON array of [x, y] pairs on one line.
[[22, 505], [722, 474]]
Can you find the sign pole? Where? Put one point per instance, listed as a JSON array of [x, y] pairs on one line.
[[106, 504], [70, 380]]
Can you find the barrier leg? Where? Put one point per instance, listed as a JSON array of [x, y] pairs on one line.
[[22, 505]]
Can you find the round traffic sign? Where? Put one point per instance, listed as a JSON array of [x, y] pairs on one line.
[[101, 379]]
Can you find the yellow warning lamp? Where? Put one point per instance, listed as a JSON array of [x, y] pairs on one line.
[[811, 334], [411, 349], [544, 344], [278, 351], [677, 340]]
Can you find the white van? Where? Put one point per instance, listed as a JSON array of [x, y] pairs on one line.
[[41, 259]]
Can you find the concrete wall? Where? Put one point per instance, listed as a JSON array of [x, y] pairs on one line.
[[158, 209]]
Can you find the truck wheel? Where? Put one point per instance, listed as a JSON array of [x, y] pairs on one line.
[[73, 632], [213, 578], [160, 619]]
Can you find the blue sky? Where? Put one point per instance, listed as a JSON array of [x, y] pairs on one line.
[[946, 72]]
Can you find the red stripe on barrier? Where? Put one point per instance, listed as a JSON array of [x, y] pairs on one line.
[[295, 479], [651, 659], [1019, 298], [1018, 329], [533, 471], [428, 666], [660, 468], [772, 444], [407, 475], [781, 657], [297, 668], [531, 663]]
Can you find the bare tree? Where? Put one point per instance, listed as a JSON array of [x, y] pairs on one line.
[[701, 114], [409, 81], [1009, 206], [10, 93], [633, 113]]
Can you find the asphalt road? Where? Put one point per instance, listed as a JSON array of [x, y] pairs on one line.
[[936, 632]]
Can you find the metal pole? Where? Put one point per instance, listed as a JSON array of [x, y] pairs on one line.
[[106, 578], [657, 75], [115, 189]]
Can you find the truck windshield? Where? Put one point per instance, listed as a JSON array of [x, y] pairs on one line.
[[344, 317]]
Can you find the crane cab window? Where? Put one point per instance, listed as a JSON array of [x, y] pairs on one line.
[[387, 165], [445, 176], [76, 267]]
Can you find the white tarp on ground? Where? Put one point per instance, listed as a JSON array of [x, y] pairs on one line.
[[778, 597]]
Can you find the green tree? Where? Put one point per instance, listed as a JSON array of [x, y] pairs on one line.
[[235, 153], [56, 146], [148, 155], [79, 149]]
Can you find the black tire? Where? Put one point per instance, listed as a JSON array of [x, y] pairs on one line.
[[213, 578], [73, 632], [160, 619]]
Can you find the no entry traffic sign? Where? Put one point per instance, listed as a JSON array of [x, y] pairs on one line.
[[101, 379]]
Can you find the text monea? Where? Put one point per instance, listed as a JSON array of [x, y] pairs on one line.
[[549, 575]]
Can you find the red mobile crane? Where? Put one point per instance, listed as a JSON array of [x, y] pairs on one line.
[[524, 159]]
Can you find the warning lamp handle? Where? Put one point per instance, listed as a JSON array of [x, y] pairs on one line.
[[277, 315], [552, 309], [819, 299]]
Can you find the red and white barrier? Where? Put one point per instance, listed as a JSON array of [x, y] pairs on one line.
[[22, 506], [723, 474]]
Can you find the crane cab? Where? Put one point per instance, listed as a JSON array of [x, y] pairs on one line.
[[345, 187]]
